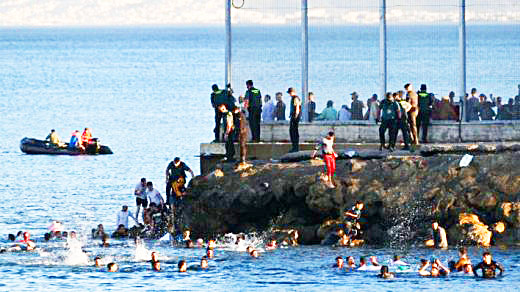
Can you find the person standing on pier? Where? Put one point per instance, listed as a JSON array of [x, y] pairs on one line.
[[295, 114], [280, 107], [312, 107], [425, 112], [356, 107], [472, 105], [253, 100], [390, 113], [229, 135], [217, 98], [414, 111], [268, 111]]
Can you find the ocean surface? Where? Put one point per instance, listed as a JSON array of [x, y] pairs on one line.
[[145, 93]]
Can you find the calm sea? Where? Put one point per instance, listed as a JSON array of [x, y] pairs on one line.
[[145, 93]]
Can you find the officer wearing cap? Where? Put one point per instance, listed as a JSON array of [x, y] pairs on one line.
[[253, 100]]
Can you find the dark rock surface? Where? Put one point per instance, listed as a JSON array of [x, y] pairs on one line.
[[402, 194]]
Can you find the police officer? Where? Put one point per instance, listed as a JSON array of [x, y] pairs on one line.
[[218, 97], [402, 123], [390, 113], [425, 112], [253, 99]]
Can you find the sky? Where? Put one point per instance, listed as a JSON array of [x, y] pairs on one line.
[[63, 13]]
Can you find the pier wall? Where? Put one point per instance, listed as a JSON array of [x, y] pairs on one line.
[[366, 132]]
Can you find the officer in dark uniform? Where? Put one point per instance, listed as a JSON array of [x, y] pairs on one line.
[[425, 112], [389, 115], [253, 98], [218, 97], [295, 115]]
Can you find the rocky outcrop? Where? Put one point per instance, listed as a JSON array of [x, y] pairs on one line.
[[401, 194]]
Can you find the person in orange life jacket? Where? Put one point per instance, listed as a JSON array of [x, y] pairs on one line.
[[86, 137]]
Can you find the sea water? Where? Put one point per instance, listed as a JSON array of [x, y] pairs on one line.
[[145, 93]]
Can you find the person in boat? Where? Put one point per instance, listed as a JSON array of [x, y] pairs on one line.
[[175, 181], [86, 137], [54, 139], [385, 274], [488, 267], [75, 141], [339, 263]]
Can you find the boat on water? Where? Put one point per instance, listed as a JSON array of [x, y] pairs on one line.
[[35, 146]]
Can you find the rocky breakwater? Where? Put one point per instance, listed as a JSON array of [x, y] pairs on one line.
[[402, 194]]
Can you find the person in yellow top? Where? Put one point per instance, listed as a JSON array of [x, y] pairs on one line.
[[54, 139]]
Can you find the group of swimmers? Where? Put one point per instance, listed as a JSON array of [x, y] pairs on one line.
[[428, 268]]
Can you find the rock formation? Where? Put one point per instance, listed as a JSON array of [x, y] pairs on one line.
[[402, 194]]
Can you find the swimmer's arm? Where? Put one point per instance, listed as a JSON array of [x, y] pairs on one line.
[[500, 268], [475, 268]]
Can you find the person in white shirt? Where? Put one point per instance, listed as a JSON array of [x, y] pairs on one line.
[[140, 197], [154, 196], [122, 217], [268, 109], [344, 114]]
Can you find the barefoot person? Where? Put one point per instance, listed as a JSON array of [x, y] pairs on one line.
[[140, 197], [329, 156]]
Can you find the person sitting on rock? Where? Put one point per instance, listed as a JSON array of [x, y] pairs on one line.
[[352, 218]]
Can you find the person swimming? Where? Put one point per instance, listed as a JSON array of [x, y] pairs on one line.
[[254, 253], [183, 266], [204, 263], [339, 263], [351, 263], [271, 245], [385, 274], [423, 268], [438, 269], [156, 265], [154, 256], [112, 267], [488, 267], [210, 253], [27, 243], [97, 262]]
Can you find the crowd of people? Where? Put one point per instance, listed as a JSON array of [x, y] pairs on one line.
[[428, 268], [406, 110]]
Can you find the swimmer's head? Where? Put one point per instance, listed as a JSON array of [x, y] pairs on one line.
[[254, 253], [112, 267], [204, 262], [26, 235], [11, 237], [210, 253], [183, 267], [486, 257], [97, 261], [339, 261]]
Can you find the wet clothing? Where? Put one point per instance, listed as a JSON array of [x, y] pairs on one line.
[[357, 109], [174, 174], [488, 270], [242, 133], [230, 124], [437, 237], [294, 123], [122, 218], [328, 155], [280, 111], [254, 97]]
